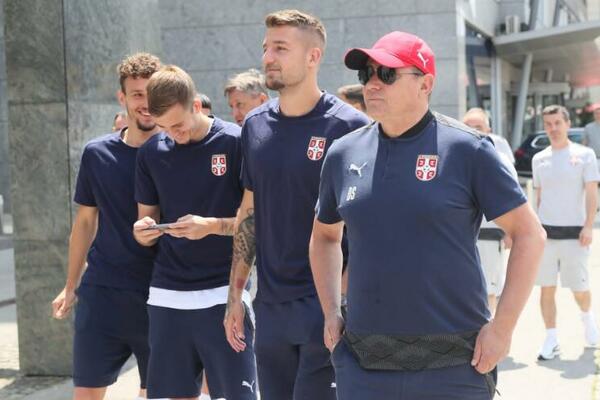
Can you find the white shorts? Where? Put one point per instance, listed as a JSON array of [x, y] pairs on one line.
[[493, 264], [568, 258]]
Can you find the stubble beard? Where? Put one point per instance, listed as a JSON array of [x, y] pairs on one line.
[[145, 128], [275, 84]]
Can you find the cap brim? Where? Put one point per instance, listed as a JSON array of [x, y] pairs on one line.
[[357, 58]]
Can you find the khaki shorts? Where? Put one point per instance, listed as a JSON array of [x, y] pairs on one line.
[[568, 258], [493, 264]]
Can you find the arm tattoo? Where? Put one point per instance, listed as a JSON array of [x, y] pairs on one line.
[[244, 251], [244, 242]]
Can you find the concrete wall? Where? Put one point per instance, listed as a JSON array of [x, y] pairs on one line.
[[213, 42], [4, 162], [61, 58]]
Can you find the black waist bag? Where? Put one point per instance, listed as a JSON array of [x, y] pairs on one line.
[[414, 353], [491, 234], [411, 353], [562, 232]]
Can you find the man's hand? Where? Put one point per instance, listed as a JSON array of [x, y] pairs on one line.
[[144, 236], [585, 236], [193, 227], [234, 325], [62, 304], [332, 332], [491, 346]]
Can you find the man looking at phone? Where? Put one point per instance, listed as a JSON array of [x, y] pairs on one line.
[[188, 177], [111, 321]]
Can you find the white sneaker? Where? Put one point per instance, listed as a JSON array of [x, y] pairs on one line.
[[592, 336], [549, 350]]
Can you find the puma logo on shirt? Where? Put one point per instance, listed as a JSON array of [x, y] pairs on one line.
[[249, 385], [356, 169]]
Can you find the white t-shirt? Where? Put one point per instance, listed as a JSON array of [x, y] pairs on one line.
[[562, 175], [192, 300], [503, 147]]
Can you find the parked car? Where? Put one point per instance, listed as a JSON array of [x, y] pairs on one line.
[[536, 142]]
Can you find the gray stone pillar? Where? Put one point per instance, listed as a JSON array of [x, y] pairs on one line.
[[4, 162], [61, 58]]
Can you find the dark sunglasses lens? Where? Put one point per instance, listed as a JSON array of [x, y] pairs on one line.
[[387, 75], [363, 76]]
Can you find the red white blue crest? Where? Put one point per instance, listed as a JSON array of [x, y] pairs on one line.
[[316, 148], [219, 164], [426, 167]]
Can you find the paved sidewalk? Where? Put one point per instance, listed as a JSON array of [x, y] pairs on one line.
[[569, 377], [7, 272]]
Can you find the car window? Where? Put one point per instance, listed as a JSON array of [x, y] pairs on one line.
[[540, 142], [576, 137]]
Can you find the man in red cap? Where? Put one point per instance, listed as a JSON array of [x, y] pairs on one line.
[[411, 189]]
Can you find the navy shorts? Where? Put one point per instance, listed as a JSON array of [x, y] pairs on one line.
[[292, 360], [454, 383], [110, 325], [186, 342]]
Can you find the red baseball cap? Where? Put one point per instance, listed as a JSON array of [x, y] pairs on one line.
[[395, 50]]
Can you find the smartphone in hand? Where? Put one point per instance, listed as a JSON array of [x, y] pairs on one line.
[[160, 227]]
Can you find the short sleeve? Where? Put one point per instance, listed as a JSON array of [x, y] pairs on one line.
[[84, 193], [327, 203], [495, 188], [505, 149], [145, 189], [590, 168], [245, 167]]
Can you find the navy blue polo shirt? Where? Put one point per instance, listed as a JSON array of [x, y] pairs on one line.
[[412, 207], [200, 178], [106, 181], [282, 162]]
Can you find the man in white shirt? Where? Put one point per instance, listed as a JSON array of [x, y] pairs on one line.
[[565, 176], [477, 118]]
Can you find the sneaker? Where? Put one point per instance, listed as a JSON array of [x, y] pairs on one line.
[[592, 336], [549, 350]]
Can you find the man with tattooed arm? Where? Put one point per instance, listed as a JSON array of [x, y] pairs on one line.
[[284, 142]]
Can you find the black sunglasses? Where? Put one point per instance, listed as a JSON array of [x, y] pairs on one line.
[[386, 75]]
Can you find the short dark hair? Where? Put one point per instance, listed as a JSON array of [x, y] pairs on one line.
[[300, 20], [556, 109], [168, 87], [205, 100]]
